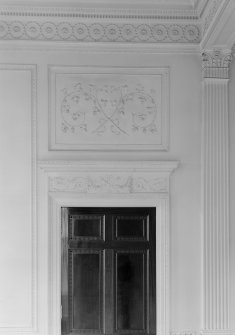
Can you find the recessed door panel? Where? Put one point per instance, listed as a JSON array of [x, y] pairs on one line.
[[131, 228], [131, 291], [86, 227], [86, 298]]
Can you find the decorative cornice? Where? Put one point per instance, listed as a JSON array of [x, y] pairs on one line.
[[163, 24], [210, 13], [216, 63], [109, 166], [84, 31]]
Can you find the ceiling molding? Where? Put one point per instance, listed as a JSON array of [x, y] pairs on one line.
[[219, 21], [212, 11]]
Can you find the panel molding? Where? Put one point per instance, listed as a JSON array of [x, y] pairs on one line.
[[32, 327], [52, 201]]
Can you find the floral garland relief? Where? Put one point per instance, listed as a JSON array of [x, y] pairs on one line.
[[102, 109]]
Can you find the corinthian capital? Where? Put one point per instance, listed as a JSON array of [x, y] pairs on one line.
[[216, 63]]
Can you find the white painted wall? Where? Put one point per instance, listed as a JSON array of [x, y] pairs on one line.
[[185, 141]]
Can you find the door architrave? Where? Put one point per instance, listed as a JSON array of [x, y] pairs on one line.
[[52, 200]]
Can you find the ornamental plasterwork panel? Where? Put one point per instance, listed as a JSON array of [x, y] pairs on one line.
[[108, 108], [111, 183]]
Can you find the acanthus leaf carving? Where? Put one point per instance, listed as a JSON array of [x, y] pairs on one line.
[[216, 63]]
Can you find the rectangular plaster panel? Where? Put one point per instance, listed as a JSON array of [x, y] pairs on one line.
[[17, 198], [94, 108]]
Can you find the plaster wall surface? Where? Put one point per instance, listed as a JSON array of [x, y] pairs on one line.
[[184, 145]]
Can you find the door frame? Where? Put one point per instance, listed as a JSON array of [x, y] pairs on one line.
[[53, 199], [109, 246]]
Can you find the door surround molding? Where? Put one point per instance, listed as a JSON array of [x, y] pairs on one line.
[[101, 184]]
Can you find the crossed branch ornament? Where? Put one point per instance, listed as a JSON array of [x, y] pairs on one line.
[[97, 110]]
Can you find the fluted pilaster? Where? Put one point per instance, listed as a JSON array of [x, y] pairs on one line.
[[215, 192]]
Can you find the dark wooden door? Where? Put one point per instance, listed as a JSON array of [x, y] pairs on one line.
[[108, 271]]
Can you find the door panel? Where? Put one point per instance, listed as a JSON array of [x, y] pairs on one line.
[[131, 227], [131, 289], [108, 271], [86, 296], [87, 227]]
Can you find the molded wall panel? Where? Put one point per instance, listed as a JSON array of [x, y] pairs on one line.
[[16, 142]]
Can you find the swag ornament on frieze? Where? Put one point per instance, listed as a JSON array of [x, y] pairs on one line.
[[114, 183]]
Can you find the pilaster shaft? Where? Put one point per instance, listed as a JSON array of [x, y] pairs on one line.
[[215, 192]]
